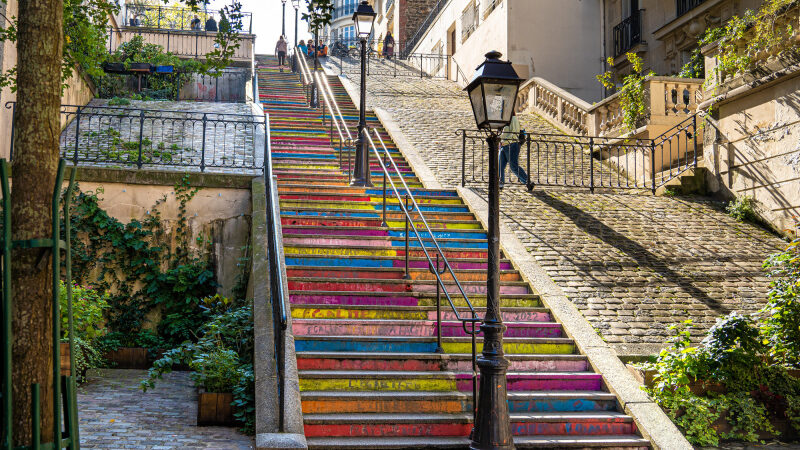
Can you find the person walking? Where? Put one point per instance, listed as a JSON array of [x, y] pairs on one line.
[[388, 45], [280, 50], [512, 136]]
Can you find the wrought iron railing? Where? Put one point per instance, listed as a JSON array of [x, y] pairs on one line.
[[408, 205], [628, 33], [418, 65], [116, 136], [585, 161], [684, 6], [174, 18]]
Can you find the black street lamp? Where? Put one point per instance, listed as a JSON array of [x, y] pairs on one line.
[[493, 94], [296, 5], [283, 20], [364, 18]]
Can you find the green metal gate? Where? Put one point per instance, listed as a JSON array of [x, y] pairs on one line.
[[64, 390]]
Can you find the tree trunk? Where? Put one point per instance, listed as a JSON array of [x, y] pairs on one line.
[[39, 49]]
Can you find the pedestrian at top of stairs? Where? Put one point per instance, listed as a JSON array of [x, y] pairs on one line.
[[280, 50]]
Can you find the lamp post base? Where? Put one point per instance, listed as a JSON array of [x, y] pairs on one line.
[[492, 426]]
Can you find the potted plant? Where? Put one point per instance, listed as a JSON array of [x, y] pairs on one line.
[[216, 375]]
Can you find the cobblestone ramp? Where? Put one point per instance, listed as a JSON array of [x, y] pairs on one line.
[[365, 336], [631, 262]]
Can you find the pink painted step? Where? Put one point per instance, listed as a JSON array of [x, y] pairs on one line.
[[343, 327]]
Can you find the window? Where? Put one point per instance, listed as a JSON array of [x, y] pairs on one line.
[[469, 21]]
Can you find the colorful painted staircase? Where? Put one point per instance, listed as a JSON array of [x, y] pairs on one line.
[[365, 337]]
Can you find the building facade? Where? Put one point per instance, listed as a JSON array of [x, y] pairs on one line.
[[664, 33]]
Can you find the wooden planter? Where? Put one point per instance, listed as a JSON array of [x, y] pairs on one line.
[[214, 408], [65, 366], [128, 358]]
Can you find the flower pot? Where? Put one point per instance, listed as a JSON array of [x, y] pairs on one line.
[[215, 408], [141, 67], [128, 358], [114, 67]]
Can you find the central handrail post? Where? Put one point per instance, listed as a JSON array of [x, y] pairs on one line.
[[408, 274], [591, 165], [384, 224], [464, 157]]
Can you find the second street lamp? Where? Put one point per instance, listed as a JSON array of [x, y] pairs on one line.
[[283, 20], [364, 18], [493, 94], [296, 5]]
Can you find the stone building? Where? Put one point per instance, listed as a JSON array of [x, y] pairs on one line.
[[664, 33]]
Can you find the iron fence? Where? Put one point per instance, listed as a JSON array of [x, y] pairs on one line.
[[416, 65], [684, 6], [111, 136], [174, 18], [584, 161]]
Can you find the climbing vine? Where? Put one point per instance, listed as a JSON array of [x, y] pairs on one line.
[[756, 35], [740, 371], [632, 93], [140, 269]]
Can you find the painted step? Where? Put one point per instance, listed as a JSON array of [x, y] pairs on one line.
[[325, 297], [328, 402], [382, 425], [413, 344], [387, 285], [396, 273], [415, 362], [371, 220], [412, 313], [382, 327], [619, 442]]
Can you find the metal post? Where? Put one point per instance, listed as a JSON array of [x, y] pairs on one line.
[[294, 60], [77, 138], [6, 299], [36, 418], [591, 165], [492, 427], [203, 148], [407, 276], [694, 134], [463, 157], [420, 65], [141, 132], [13, 125], [56, 281], [385, 171], [439, 348], [283, 19], [653, 164], [314, 87], [361, 177]]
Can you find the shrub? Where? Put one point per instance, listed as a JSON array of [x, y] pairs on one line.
[[741, 209], [87, 312]]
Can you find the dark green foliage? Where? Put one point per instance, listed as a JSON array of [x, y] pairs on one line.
[[744, 359], [222, 356], [139, 270]]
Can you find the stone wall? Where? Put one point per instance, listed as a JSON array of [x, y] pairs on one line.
[[219, 214], [412, 14], [754, 149]]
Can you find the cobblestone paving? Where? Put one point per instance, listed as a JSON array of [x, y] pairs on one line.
[[115, 414], [631, 262], [173, 134]]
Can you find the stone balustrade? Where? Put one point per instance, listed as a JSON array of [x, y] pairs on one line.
[[565, 110], [184, 44], [668, 100]]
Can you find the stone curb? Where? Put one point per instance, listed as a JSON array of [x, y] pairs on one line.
[[650, 419], [160, 177], [264, 351]]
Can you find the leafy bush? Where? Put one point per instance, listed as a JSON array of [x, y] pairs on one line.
[[745, 359], [222, 357], [632, 92], [741, 209], [88, 306]]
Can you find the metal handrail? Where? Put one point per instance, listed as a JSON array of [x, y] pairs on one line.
[[275, 272], [303, 67], [433, 267], [346, 143]]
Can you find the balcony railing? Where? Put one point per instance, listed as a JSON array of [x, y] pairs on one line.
[[172, 18], [185, 44], [685, 6], [342, 11], [628, 33]]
